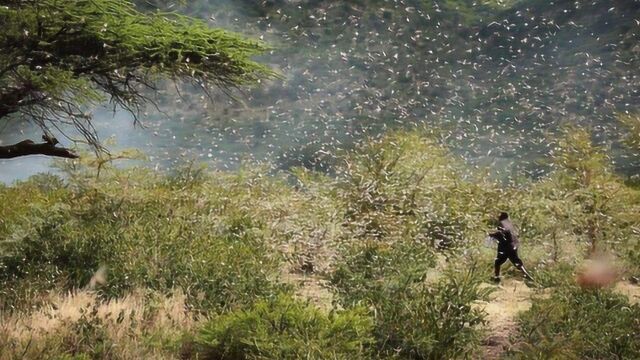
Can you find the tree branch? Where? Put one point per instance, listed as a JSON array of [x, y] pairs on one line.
[[11, 98], [28, 147]]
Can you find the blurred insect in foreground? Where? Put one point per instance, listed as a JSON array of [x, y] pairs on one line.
[[597, 274], [508, 243]]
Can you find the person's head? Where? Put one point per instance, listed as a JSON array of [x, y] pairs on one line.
[[503, 216]]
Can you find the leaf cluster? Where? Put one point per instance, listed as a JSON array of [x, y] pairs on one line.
[[418, 313], [580, 324], [60, 57], [286, 328]]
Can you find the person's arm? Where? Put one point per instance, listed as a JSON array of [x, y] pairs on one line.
[[491, 237], [488, 241], [515, 242]]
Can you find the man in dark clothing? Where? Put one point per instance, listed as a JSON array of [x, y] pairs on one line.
[[508, 243]]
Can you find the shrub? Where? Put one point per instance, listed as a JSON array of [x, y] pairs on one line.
[[581, 324], [414, 318], [147, 233], [378, 229], [285, 328], [554, 274], [368, 268], [407, 185]]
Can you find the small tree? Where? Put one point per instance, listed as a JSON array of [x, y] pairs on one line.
[[59, 57], [596, 195]]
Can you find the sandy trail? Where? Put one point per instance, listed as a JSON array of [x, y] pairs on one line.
[[510, 298], [311, 287]]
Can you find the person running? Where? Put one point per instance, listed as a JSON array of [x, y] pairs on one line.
[[508, 243]]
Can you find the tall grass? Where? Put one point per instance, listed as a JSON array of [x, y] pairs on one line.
[[580, 324], [139, 325]]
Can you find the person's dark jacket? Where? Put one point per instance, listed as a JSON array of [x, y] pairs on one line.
[[507, 235]]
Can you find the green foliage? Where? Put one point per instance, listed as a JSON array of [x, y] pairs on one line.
[[557, 274], [631, 124], [396, 233], [285, 328], [146, 232], [580, 324], [406, 185], [365, 264], [578, 159], [414, 318], [587, 197], [60, 56]]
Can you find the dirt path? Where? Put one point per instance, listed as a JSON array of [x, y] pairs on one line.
[[629, 290], [311, 287], [510, 298]]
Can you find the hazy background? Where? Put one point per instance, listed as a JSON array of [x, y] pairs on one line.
[[493, 79]]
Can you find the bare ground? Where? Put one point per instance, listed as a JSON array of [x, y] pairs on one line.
[[311, 287], [511, 297]]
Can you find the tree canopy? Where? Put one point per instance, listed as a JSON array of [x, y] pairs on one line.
[[60, 57]]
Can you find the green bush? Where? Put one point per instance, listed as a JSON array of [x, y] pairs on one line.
[[147, 232], [554, 274], [369, 268], [285, 328], [414, 318], [580, 324], [380, 230], [408, 185]]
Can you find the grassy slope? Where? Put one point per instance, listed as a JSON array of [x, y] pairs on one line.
[[400, 218]]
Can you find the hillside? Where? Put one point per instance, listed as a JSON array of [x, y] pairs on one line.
[[384, 260], [494, 78], [354, 203]]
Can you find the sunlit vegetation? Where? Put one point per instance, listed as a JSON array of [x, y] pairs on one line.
[[199, 264], [284, 328], [631, 125], [342, 207], [580, 324]]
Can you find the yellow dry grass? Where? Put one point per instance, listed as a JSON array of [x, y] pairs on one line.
[[629, 290], [125, 321]]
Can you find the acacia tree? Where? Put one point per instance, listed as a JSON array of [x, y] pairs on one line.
[[60, 57]]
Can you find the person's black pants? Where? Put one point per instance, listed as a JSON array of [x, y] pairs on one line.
[[504, 254]]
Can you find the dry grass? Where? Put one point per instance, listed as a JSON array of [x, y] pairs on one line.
[[311, 288], [130, 325], [629, 290]]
